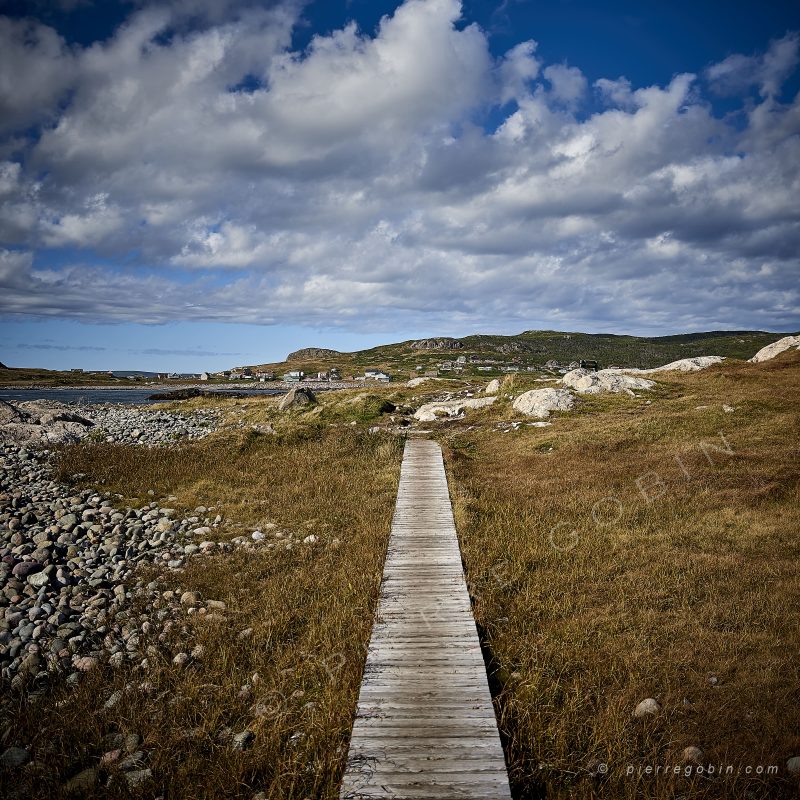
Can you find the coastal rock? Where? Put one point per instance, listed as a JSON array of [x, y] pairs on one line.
[[66, 607], [414, 382], [541, 402], [648, 707], [585, 381], [297, 397], [177, 394], [776, 348], [11, 414], [41, 422], [683, 365], [493, 387], [450, 408]]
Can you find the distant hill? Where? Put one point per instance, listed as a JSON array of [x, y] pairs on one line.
[[3, 366], [309, 353], [22, 376], [530, 349]]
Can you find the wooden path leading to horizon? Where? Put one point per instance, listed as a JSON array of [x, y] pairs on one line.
[[425, 725]]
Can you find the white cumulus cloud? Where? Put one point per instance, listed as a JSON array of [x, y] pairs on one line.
[[207, 170]]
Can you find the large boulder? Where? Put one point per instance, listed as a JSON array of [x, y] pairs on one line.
[[41, 422], [493, 387], [776, 348], [10, 413], [177, 394], [297, 397], [450, 408], [585, 381], [540, 402], [681, 365], [414, 382], [48, 412]]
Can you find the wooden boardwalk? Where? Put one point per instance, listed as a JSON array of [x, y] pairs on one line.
[[425, 725]]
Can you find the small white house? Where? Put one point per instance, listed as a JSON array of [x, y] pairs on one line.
[[204, 376], [376, 375]]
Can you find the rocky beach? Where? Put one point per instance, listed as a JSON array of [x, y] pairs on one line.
[[84, 580]]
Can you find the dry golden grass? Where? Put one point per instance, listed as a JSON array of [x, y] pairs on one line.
[[591, 591], [310, 609], [594, 592]]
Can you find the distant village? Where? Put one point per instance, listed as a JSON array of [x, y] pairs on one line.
[[296, 376], [443, 368]]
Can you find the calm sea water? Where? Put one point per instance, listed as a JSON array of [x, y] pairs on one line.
[[122, 396]]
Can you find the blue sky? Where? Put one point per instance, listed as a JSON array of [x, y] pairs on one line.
[[194, 185]]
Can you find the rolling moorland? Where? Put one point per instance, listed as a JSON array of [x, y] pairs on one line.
[[641, 546], [531, 348]]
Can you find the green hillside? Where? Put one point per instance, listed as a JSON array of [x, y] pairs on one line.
[[21, 377], [531, 349]]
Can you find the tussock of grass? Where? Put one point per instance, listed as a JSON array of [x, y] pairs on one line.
[[595, 591], [310, 609]]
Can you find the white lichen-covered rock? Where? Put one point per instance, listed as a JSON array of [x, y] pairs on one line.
[[419, 381], [682, 365], [776, 348], [648, 707], [585, 381], [540, 402], [493, 387], [450, 408]]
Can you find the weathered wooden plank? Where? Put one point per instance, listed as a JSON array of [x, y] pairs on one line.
[[425, 724]]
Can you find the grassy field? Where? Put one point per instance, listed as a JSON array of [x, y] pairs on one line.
[[534, 348], [640, 547], [22, 377], [641, 550], [310, 610]]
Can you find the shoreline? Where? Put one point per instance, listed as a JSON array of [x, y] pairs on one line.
[[272, 386]]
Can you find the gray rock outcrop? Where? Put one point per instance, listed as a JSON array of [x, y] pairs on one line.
[[584, 381], [297, 398], [414, 382], [540, 402], [440, 343], [43, 422], [39, 422], [681, 365], [308, 353]]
